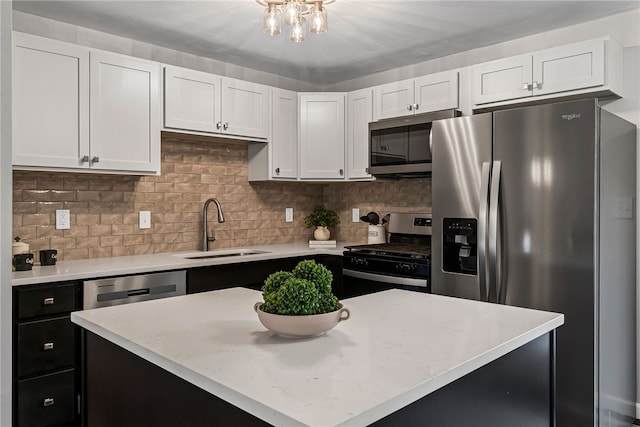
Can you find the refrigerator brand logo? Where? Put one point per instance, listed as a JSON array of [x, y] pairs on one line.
[[571, 116]]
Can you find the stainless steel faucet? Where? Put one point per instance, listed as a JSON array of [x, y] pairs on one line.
[[206, 238]]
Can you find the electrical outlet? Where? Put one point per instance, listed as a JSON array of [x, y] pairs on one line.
[[355, 215], [145, 219], [63, 219], [288, 215]]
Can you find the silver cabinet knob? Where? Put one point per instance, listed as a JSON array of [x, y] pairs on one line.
[[218, 125], [225, 126], [416, 106], [536, 85], [47, 346], [341, 172], [48, 401], [277, 171], [409, 107], [95, 159], [84, 159], [48, 301]]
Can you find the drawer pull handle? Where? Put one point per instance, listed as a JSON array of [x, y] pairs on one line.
[[47, 346], [48, 402], [48, 301]]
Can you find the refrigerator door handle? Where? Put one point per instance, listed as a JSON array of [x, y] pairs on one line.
[[494, 200], [482, 230]]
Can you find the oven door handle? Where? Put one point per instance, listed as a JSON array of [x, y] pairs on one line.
[[406, 281]]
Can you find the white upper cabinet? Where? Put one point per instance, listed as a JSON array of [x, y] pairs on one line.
[[125, 113], [284, 137], [50, 103], [192, 100], [359, 114], [424, 94], [322, 135], [245, 108], [76, 108], [278, 159], [592, 66], [203, 102]]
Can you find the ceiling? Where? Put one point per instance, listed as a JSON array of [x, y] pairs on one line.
[[364, 36]]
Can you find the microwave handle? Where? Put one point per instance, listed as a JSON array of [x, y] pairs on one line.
[[431, 142]]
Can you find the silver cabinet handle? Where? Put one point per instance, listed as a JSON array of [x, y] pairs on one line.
[[48, 301], [341, 172], [536, 85], [525, 86], [47, 346], [95, 159], [277, 171], [416, 106], [48, 401], [218, 125], [225, 126], [409, 107], [84, 159]]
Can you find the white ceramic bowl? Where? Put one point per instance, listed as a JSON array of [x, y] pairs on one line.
[[301, 326]]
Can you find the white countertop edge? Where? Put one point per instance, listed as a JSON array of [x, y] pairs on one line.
[[274, 417], [95, 268], [424, 389]]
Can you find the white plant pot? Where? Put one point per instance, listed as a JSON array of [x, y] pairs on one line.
[[321, 233]]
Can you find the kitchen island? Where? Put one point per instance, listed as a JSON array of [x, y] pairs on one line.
[[402, 358]]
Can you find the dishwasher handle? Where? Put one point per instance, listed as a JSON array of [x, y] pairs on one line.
[[137, 292]]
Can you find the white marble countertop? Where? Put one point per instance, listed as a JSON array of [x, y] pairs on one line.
[[396, 347], [116, 266]]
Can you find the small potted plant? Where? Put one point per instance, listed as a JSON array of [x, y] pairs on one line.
[[300, 303], [321, 218]]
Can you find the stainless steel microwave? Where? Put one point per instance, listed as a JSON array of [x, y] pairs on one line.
[[401, 147]]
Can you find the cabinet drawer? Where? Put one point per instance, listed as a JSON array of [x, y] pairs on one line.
[[45, 345], [44, 301], [48, 400]]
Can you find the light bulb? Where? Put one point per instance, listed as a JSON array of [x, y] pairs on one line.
[[318, 19], [292, 12], [297, 34], [271, 21]]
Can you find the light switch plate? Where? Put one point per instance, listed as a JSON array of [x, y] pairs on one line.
[[288, 214], [355, 215], [63, 219], [145, 219]]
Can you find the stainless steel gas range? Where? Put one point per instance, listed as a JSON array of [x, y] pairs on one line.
[[404, 262]]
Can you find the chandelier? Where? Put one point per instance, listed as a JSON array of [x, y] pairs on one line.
[[297, 14]]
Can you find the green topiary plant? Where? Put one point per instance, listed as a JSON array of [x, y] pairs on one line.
[[322, 217], [306, 290]]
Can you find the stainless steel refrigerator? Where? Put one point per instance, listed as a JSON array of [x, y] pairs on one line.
[[534, 207]]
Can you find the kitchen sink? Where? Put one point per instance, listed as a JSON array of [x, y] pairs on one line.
[[221, 254]]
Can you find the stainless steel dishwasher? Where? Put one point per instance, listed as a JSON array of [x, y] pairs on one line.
[[128, 289]]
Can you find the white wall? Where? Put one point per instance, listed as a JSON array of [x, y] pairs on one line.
[[5, 212]]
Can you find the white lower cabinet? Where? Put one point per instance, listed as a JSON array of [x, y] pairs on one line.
[[322, 135], [592, 66], [359, 114], [80, 109]]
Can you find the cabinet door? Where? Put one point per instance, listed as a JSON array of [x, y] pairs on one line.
[[125, 122], [359, 114], [502, 80], [191, 100], [322, 135], [436, 92], [284, 136], [393, 99], [576, 66], [245, 108], [50, 103]]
